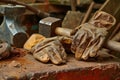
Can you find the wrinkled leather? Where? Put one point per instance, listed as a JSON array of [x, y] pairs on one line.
[[50, 49], [89, 37]]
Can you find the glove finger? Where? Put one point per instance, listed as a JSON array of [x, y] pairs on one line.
[[59, 49], [76, 41], [85, 55], [42, 43], [87, 50], [94, 49], [42, 56], [81, 47], [97, 45], [63, 53], [54, 56]]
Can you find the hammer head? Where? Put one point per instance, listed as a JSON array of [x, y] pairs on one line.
[[48, 25]]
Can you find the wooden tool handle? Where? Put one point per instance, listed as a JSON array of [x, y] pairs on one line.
[[36, 11], [113, 45], [73, 5], [116, 33], [88, 12], [63, 31]]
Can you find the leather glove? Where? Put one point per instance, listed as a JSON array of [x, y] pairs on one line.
[[89, 37], [4, 49], [50, 49]]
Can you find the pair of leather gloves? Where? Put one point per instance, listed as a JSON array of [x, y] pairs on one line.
[[87, 40]]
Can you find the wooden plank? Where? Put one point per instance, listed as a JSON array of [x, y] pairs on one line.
[[46, 7], [26, 1]]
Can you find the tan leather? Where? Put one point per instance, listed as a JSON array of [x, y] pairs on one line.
[[33, 40], [89, 37]]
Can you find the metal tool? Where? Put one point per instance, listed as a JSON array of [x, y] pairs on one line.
[[51, 26], [48, 25], [73, 18], [11, 29]]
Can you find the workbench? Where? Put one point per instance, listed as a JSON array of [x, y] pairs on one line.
[[25, 67]]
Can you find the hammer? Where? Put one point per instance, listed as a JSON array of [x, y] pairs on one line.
[[49, 27]]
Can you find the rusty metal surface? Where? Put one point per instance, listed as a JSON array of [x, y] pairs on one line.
[[25, 67]]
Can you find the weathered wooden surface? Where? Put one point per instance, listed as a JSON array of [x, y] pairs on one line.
[[25, 67]]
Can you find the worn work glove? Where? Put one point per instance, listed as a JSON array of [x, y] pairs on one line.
[[89, 37], [50, 49], [4, 49]]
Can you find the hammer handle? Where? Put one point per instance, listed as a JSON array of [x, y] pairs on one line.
[[63, 31], [111, 44], [36, 11]]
